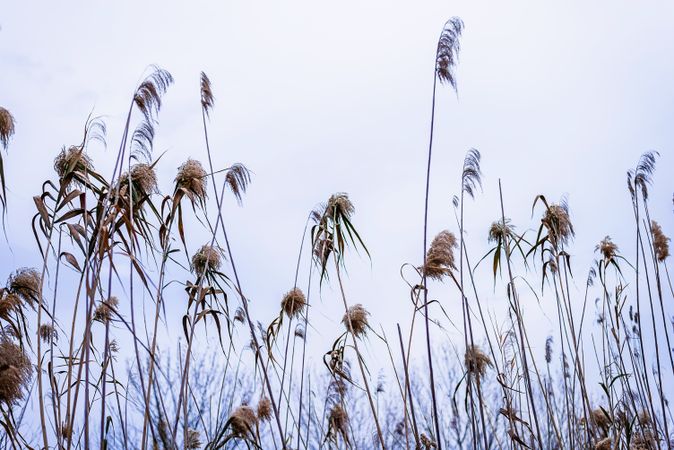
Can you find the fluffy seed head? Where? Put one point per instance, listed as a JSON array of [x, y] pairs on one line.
[[6, 127], [15, 372], [448, 50], [339, 203], [440, 256], [25, 283], [193, 439], [356, 315], [144, 178], [476, 361], [238, 178], [71, 160], [264, 409], [660, 242], [48, 334], [206, 93], [9, 303], [207, 258], [191, 179], [607, 248], [293, 302], [243, 421], [338, 421], [105, 310], [600, 418], [500, 231], [558, 224]]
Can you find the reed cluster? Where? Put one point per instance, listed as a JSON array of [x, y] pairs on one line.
[[117, 259]]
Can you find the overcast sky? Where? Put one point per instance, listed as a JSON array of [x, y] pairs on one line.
[[318, 97]]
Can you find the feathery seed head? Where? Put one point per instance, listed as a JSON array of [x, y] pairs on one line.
[[243, 421], [206, 93], [293, 302], [448, 51], [264, 409], [556, 221], [208, 258], [660, 242], [15, 371], [339, 203], [48, 334], [238, 179], [72, 160], [25, 283], [440, 256], [192, 180], [356, 316], [476, 361], [105, 310], [600, 418], [148, 95], [193, 439], [6, 127], [500, 231], [607, 248], [338, 421], [144, 178], [9, 303]]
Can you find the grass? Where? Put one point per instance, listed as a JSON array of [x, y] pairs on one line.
[[114, 249]]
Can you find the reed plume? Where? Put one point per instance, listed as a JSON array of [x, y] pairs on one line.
[[607, 248], [148, 95], [7, 127], [355, 319], [193, 439], [105, 310], [238, 179], [476, 361], [264, 409], [72, 159], [293, 302], [448, 51], [25, 283], [191, 179], [440, 256], [556, 221], [207, 258], [48, 334], [243, 421], [15, 371], [207, 98], [660, 242]]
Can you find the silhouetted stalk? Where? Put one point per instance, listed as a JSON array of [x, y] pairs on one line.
[[354, 339], [424, 281], [408, 392], [518, 314], [290, 328]]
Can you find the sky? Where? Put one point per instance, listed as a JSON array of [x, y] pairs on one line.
[[561, 99]]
